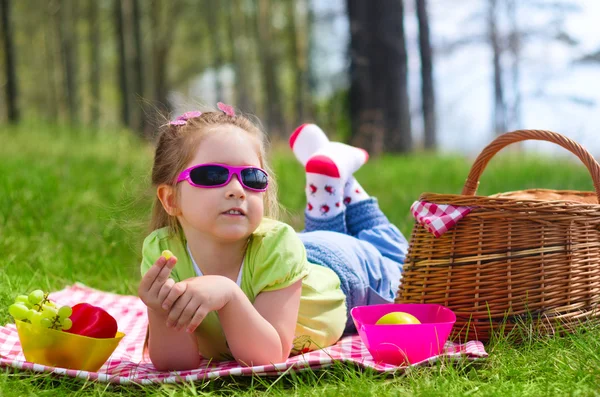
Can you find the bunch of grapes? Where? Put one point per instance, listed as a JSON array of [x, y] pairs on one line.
[[38, 310]]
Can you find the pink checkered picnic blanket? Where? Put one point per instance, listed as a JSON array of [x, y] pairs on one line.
[[438, 218], [126, 365]]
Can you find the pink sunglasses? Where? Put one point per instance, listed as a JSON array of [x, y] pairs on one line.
[[217, 175]]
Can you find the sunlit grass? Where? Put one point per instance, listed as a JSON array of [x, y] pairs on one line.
[[74, 207]]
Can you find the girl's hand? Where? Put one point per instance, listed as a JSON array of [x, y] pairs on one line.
[[201, 295], [156, 283]]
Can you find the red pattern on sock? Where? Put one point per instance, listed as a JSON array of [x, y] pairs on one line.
[[323, 165], [295, 135]]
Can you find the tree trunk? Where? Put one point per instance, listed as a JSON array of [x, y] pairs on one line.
[[211, 15], [298, 59], [499, 104], [164, 19], [311, 79], [365, 115], [268, 61], [138, 67], [9, 59], [427, 88], [391, 73], [515, 49], [251, 73], [59, 81], [94, 54], [49, 40], [67, 29], [239, 57], [122, 62], [379, 105]]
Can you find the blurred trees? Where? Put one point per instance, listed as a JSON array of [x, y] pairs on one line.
[[67, 16], [9, 61], [497, 49], [427, 83], [93, 26], [102, 63], [379, 106], [268, 58], [507, 35]]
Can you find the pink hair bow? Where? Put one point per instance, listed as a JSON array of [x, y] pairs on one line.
[[182, 120], [228, 110]]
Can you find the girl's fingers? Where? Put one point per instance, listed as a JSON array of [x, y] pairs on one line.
[[162, 276], [197, 319], [177, 309], [175, 292], [151, 274], [186, 314], [165, 289]]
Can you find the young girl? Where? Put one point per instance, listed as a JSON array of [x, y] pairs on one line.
[[241, 285]]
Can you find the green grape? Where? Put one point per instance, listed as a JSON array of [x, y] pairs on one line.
[[65, 311], [22, 299], [50, 303], [35, 317], [36, 296], [48, 312], [19, 311], [66, 324], [46, 322]]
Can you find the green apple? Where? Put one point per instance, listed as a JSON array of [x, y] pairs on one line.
[[397, 318]]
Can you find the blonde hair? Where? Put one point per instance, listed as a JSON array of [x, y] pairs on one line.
[[176, 146]]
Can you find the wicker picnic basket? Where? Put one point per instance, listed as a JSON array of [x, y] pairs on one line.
[[530, 257]]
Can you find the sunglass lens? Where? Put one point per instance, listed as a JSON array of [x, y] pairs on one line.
[[209, 175], [255, 178]]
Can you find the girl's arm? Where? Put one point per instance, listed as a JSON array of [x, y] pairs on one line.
[[169, 349], [256, 334], [261, 334]]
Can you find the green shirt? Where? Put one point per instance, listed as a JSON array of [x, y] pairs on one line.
[[275, 259]]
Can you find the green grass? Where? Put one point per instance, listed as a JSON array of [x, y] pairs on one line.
[[74, 207]]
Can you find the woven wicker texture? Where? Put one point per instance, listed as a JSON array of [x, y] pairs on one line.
[[526, 255]]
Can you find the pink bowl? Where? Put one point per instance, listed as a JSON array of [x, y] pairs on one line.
[[404, 343]]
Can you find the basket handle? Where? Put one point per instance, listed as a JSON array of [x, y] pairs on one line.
[[472, 182]]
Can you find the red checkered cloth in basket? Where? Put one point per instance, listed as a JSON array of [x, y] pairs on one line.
[[438, 218], [126, 364]]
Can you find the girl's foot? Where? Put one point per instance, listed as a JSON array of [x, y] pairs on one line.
[[306, 141], [354, 192], [327, 172]]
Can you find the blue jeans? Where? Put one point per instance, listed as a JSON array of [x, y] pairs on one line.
[[363, 248]]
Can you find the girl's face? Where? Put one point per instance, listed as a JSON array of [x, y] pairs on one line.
[[204, 211]]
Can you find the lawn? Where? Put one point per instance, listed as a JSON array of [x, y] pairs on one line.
[[74, 207]]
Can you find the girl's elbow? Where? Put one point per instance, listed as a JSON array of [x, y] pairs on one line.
[[170, 363]]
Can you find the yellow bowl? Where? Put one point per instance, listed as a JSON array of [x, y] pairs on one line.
[[63, 349]]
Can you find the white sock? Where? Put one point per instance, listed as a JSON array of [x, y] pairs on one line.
[[337, 159], [306, 140], [354, 192], [326, 174], [324, 195]]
